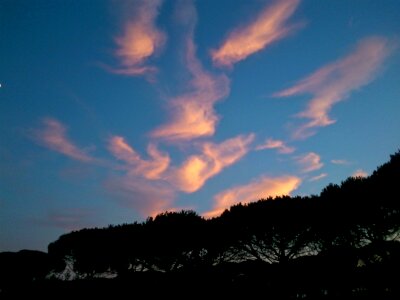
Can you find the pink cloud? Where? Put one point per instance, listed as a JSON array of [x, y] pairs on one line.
[[268, 27], [53, 135], [360, 173], [261, 188], [197, 169], [334, 82], [141, 187], [150, 186], [310, 162], [150, 169], [318, 177], [141, 38], [193, 113], [147, 197], [276, 144]]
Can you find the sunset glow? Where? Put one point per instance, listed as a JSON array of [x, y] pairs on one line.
[[116, 110], [268, 27]]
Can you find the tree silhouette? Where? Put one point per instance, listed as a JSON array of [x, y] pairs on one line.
[[172, 241], [341, 243], [271, 230]]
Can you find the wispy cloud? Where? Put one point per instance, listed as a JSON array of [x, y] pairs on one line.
[[141, 187], [150, 169], [141, 38], [53, 135], [193, 113], [318, 177], [309, 162], [279, 145], [340, 162], [147, 197], [197, 169], [150, 186], [261, 188], [268, 27], [334, 82], [360, 173]]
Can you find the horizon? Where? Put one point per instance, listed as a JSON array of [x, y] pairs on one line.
[[116, 111], [210, 218]]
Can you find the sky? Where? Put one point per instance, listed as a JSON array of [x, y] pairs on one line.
[[113, 111]]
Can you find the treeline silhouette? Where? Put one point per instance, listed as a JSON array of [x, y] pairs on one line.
[[343, 243]]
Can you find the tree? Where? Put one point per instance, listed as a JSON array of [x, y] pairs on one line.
[[272, 230], [172, 241]]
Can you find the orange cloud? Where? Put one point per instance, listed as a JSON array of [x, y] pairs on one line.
[[54, 137], [334, 82], [310, 162], [261, 188], [150, 188], [318, 177], [269, 26], [276, 144], [193, 113], [359, 173], [197, 169], [140, 40], [150, 169]]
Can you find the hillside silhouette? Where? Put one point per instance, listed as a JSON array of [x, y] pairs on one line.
[[343, 243]]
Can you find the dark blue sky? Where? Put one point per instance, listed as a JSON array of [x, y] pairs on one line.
[[115, 110]]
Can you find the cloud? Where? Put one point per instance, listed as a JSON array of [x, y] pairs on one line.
[[150, 186], [340, 162], [268, 27], [141, 38], [276, 144], [141, 187], [310, 162], [318, 177], [53, 135], [193, 113], [197, 169], [261, 188], [150, 169], [147, 197], [334, 82], [360, 173]]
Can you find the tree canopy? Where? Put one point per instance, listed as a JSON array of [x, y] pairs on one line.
[[348, 225]]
